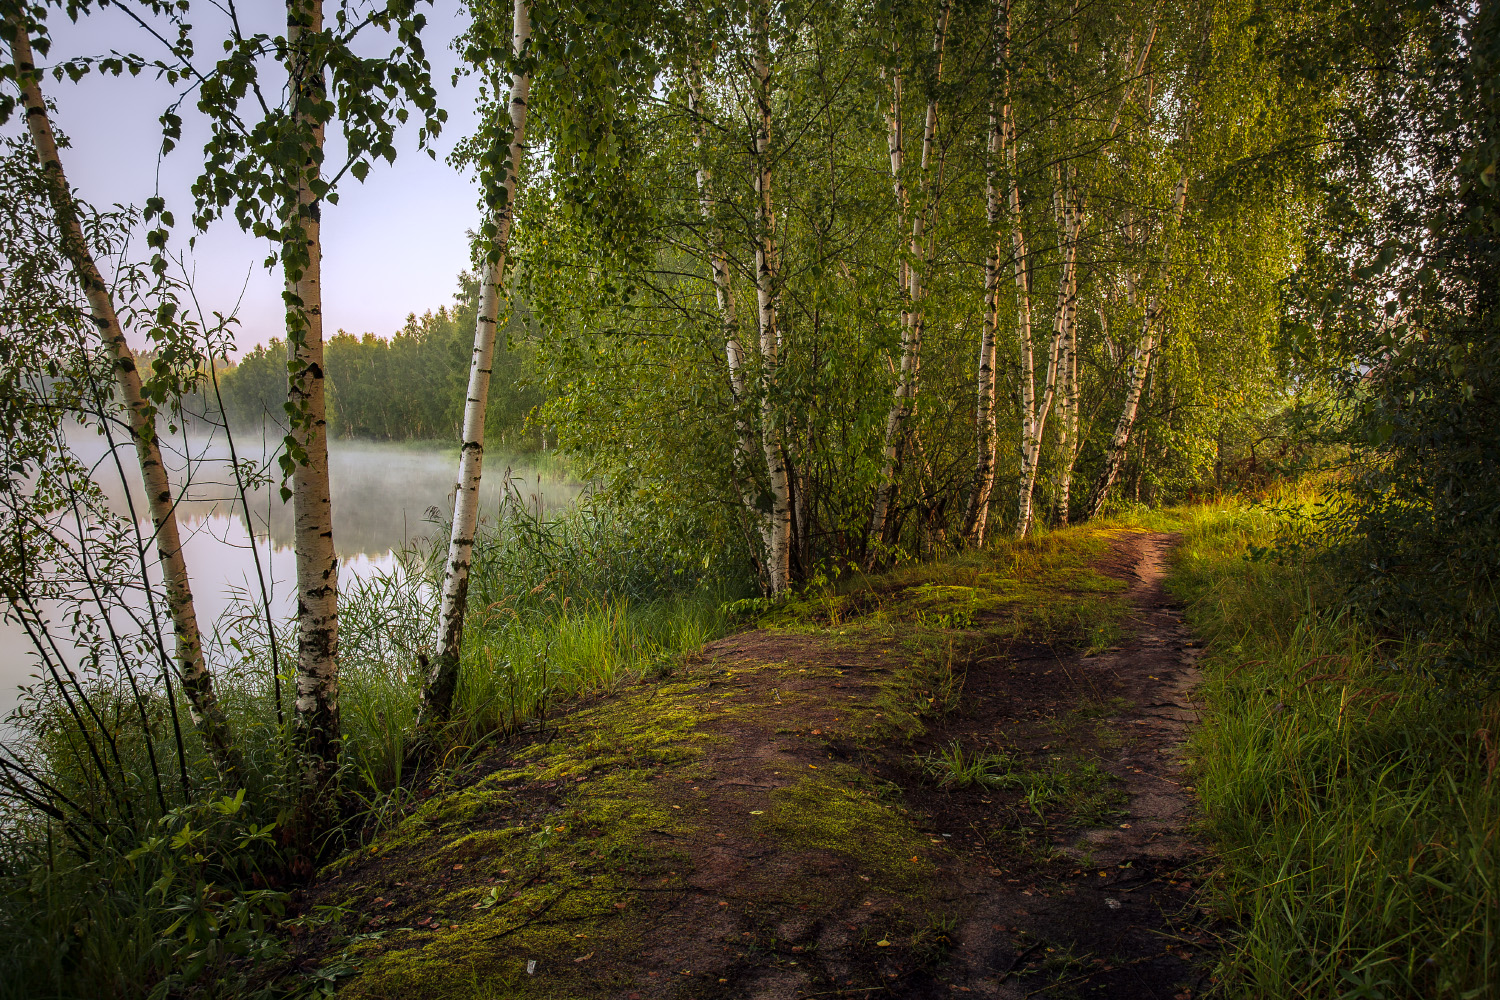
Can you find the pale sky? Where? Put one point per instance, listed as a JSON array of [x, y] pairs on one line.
[[392, 246]]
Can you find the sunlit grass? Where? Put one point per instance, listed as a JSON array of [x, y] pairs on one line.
[[519, 665], [1352, 800]]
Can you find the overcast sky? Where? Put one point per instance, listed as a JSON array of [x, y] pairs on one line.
[[392, 246]]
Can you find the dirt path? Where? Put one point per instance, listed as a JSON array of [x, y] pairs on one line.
[[804, 837]]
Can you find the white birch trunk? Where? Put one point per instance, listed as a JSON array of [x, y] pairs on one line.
[[912, 316], [1140, 368], [317, 683], [1034, 416], [1033, 419], [1114, 458], [1067, 438], [734, 351], [442, 681], [986, 440], [192, 670], [778, 532]]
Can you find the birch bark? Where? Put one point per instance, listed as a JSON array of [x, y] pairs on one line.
[[442, 681], [1030, 433], [1140, 367], [1067, 438], [911, 270], [976, 517], [192, 670], [1035, 412], [779, 530], [317, 685], [1064, 342], [734, 350]]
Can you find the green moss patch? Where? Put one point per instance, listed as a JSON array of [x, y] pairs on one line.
[[580, 862], [840, 810]]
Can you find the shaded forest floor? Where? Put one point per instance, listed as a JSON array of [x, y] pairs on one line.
[[962, 777]]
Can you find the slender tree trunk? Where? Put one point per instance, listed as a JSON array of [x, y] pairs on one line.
[[192, 669], [986, 440], [779, 529], [912, 270], [746, 452], [1034, 411], [1030, 434], [1033, 420], [1140, 367], [1034, 417], [1135, 381], [1067, 438], [317, 695], [442, 681]]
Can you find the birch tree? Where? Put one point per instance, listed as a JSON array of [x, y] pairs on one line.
[[1135, 378], [1151, 310], [317, 684], [1071, 213], [265, 164], [192, 669], [909, 273], [1070, 225], [986, 438], [1034, 409], [735, 358], [779, 532], [442, 681]]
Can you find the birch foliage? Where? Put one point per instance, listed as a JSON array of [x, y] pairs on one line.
[[1092, 118]]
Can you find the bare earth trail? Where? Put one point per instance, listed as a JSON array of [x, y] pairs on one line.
[[795, 845]]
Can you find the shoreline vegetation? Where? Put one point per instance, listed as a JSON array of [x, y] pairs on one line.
[[1039, 528], [1345, 800]]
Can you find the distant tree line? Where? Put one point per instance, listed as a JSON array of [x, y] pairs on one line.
[[406, 387]]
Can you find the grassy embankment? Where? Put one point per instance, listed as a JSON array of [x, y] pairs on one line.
[[1349, 798], [143, 893], [1353, 802], [595, 845]]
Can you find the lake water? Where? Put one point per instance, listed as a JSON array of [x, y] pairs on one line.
[[385, 497]]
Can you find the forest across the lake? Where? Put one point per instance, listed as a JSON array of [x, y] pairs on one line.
[[908, 498]]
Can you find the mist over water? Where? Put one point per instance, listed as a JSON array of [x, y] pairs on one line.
[[385, 497]]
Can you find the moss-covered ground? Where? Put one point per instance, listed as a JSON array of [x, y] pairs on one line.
[[912, 785]]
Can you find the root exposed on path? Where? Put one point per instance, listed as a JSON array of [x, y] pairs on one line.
[[963, 779]]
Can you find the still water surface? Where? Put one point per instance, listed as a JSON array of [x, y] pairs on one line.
[[385, 497]]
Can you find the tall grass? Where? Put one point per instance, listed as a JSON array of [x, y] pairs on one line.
[[171, 888], [517, 664], [1353, 795]]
